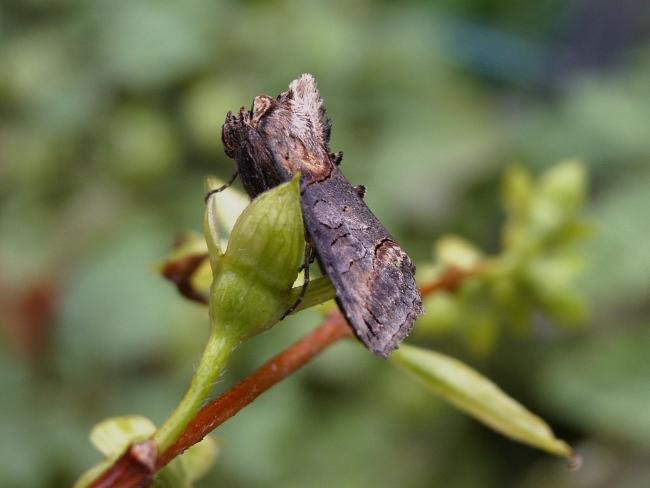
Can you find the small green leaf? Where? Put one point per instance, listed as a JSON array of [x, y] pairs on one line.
[[112, 436], [479, 397]]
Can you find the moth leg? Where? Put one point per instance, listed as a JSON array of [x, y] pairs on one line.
[[310, 255], [222, 187]]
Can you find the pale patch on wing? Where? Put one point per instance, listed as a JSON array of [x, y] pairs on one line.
[[308, 118]]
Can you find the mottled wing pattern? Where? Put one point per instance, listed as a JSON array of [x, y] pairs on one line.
[[372, 275]]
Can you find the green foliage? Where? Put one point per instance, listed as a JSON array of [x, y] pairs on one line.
[[112, 436], [535, 272], [476, 395]]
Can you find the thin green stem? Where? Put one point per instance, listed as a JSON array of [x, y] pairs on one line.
[[214, 359]]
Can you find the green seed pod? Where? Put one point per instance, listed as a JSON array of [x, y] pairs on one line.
[[253, 279]]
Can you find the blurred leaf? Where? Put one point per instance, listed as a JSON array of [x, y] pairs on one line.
[[476, 395], [457, 252]]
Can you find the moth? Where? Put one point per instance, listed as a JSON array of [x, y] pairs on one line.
[[372, 276]]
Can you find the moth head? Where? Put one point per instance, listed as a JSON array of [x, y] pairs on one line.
[[291, 131]]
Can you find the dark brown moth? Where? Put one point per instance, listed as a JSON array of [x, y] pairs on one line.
[[372, 276]]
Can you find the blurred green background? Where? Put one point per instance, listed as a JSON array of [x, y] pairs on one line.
[[110, 117]]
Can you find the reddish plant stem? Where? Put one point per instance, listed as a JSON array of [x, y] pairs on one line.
[[132, 471], [449, 281], [291, 359], [129, 471]]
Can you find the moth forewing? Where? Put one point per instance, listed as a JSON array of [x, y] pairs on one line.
[[373, 277]]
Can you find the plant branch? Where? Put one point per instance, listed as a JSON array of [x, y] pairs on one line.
[[227, 405], [131, 471], [450, 280]]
